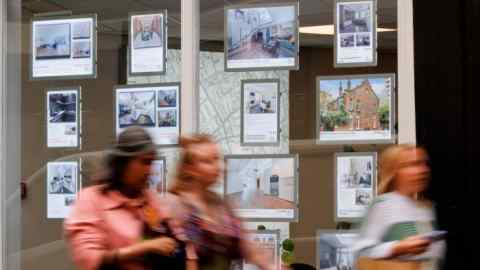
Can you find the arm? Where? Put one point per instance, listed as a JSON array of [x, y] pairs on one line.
[[375, 225], [192, 264], [83, 233], [248, 250], [373, 228], [192, 258], [256, 255], [175, 211]]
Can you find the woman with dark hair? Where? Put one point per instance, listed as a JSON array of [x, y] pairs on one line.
[[119, 223], [216, 233]]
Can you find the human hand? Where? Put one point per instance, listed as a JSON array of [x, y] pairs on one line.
[[411, 246], [269, 266], [163, 245], [263, 260]]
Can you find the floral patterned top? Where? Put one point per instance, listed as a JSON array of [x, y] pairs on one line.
[[217, 236]]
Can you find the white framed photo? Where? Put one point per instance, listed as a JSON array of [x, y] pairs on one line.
[[335, 249], [355, 33], [357, 109], [148, 43], [260, 111], [282, 227], [267, 242], [155, 107], [81, 49], [63, 47], [62, 188], [157, 182], [262, 187], [355, 184], [261, 37], [63, 119]]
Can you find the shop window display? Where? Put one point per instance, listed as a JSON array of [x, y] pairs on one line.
[[268, 92]]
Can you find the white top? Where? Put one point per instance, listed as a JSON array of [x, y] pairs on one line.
[[391, 216]]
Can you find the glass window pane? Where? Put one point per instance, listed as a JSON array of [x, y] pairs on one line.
[[356, 107], [68, 119]]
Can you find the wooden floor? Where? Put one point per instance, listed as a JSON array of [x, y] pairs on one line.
[[259, 200]]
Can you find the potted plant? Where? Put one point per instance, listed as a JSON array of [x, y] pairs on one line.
[[287, 254]]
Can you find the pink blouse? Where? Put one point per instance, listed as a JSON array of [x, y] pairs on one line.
[[100, 222]]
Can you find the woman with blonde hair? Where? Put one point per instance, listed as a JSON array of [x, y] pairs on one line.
[[207, 219], [399, 221]]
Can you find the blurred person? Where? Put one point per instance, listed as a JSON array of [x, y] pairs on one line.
[[208, 220], [397, 221], [119, 223]]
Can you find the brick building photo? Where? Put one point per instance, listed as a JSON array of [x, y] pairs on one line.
[[351, 105]]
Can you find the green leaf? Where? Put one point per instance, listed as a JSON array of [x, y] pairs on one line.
[[287, 257], [261, 227], [288, 245]]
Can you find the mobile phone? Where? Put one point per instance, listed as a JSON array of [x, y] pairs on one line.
[[435, 235]]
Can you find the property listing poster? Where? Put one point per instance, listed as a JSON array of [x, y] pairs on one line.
[[356, 108], [355, 32], [262, 188], [157, 180], [260, 112], [355, 184], [154, 107], [268, 244], [63, 47], [62, 187], [282, 227], [261, 37], [335, 249], [63, 118], [147, 43]]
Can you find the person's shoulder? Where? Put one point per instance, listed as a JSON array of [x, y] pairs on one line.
[[87, 205], [170, 198], [171, 204], [382, 201], [215, 199], [91, 193]]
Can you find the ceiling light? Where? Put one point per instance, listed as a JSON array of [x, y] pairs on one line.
[[329, 30]]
